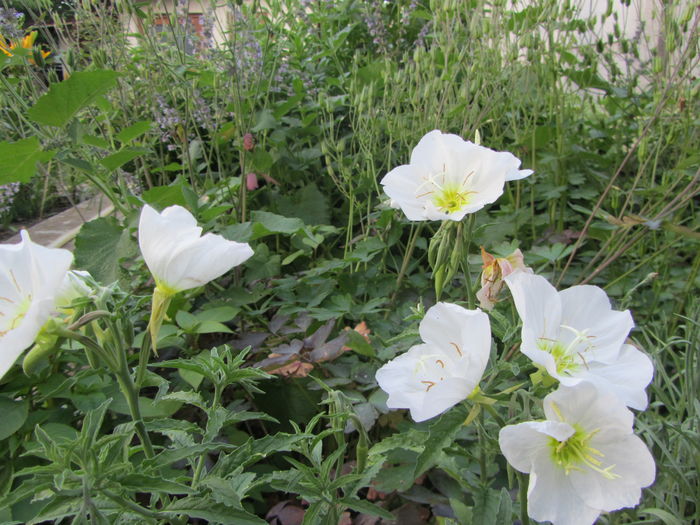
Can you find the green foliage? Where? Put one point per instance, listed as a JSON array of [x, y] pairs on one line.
[[335, 100], [63, 100]]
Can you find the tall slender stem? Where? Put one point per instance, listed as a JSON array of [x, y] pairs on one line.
[[465, 261], [522, 491], [129, 390]]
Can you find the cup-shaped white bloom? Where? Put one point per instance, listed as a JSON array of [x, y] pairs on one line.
[[432, 377], [179, 256], [74, 286], [30, 277], [577, 336], [448, 177], [583, 460]]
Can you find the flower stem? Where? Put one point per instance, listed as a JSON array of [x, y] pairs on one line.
[[413, 237], [129, 390], [465, 260], [522, 491]]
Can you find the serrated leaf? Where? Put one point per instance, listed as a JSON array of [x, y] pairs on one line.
[[118, 159], [18, 159], [100, 245], [138, 482], [492, 507], [440, 435], [205, 509], [135, 130], [191, 398], [65, 99]]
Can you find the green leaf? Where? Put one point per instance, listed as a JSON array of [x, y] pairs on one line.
[[135, 130], [359, 344], [367, 507], [118, 159], [100, 245], [138, 482], [18, 159], [65, 99], [264, 120], [492, 507], [205, 509], [93, 140], [14, 414], [266, 223], [164, 196], [440, 435], [663, 515]]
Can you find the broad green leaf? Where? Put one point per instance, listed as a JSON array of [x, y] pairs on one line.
[[266, 223], [14, 414], [163, 196], [100, 245], [65, 99], [18, 159], [118, 159], [134, 131]]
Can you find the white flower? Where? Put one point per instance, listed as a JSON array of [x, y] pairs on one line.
[[30, 277], [448, 178], [432, 377], [583, 460], [74, 286], [177, 254], [577, 336]]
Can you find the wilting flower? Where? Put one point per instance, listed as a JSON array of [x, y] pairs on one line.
[[180, 258], [30, 277], [445, 369], [577, 336], [492, 274], [448, 178], [583, 460], [26, 43]]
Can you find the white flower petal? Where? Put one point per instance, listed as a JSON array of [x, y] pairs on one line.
[[176, 253], [627, 378], [448, 178], [431, 377], [588, 308], [552, 497], [539, 307], [519, 443], [634, 466], [30, 277]]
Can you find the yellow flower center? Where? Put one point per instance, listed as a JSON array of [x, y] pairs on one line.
[[451, 198], [565, 357], [575, 453], [20, 311]]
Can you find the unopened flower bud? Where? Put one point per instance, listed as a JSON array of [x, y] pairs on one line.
[[251, 181], [248, 142]]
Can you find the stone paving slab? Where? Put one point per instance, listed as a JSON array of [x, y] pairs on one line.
[[59, 230]]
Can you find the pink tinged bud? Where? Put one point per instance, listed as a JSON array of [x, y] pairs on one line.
[[248, 143], [251, 181], [492, 274]]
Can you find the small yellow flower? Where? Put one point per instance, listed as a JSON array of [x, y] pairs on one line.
[[26, 43]]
